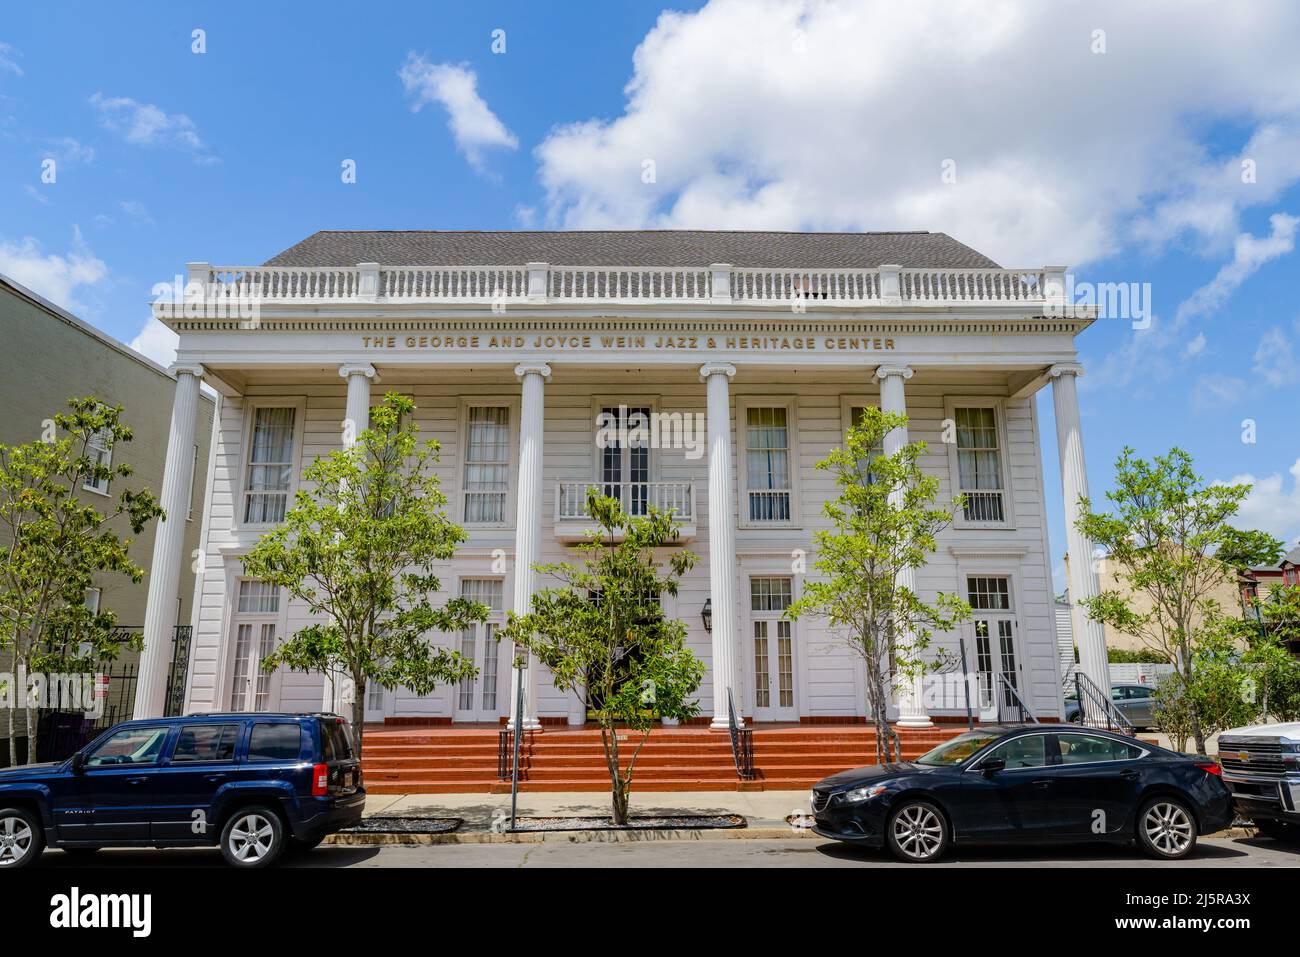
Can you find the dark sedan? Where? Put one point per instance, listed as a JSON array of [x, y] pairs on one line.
[[1034, 784]]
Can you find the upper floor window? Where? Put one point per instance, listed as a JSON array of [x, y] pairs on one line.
[[487, 464], [99, 449], [625, 456], [270, 465], [979, 464], [877, 448], [767, 462]]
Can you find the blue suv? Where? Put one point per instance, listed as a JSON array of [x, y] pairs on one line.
[[255, 784]]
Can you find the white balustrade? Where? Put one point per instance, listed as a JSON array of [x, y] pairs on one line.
[[628, 284], [635, 497]]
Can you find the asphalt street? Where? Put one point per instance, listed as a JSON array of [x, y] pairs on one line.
[[1211, 852]]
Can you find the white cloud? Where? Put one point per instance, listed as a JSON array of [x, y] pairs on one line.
[[1272, 506], [1143, 353], [156, 341], [472, 123], [136, 210], [1196, 346], [58, 278], [1275, 359], [838, 115], [35, 193], [143, 124], [7, 63], [69, 151]]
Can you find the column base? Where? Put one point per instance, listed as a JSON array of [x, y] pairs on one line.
[[530, 724], [914, 721], [722, 724]]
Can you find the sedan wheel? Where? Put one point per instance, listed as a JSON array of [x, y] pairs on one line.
[[254, 837], [20, 839], [1166, 829], [918, 833]]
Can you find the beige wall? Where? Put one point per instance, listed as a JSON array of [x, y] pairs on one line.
[[49, 357], [1226, 595]]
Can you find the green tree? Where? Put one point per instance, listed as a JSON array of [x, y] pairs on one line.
[[603, 633], [1243, 549], [885, 521], [59, 544], [358, 548], [1164, 537]]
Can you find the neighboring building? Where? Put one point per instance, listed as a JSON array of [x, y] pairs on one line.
[[50, 356], [773, 339]]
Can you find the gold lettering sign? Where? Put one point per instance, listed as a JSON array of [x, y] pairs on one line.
[[552, 342]]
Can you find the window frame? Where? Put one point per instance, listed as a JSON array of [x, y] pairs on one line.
[[106, 458], [847, 404], [793, 449], [1059, 757], [252, 729], [280, 617], [251, 407], [951, 404], [511, 405], [181, 729]]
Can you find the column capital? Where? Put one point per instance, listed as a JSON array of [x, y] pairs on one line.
[[716, 368], [1066, 368], [542, 369], [887, 371], [188, 368], [349, 369]]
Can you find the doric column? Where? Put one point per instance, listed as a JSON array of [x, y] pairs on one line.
[[722, 541], [1089, 634], [168, 546], [339, 691], [528, 520], [911, 694]]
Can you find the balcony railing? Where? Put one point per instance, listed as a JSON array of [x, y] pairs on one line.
[[637, 498], [983, 506], [647, 285]]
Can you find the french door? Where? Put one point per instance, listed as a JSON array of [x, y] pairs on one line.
[[257, 618], [997, 664], [772, 650], [478, 698], [625, 459]]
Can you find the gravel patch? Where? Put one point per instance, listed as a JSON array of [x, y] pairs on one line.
[[682, 822], [406, 825]]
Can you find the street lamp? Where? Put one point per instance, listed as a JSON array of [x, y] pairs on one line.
[[707, 614]]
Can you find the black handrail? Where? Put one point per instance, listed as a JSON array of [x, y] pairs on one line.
[[1096, 710], [1011, 707], [742, 742], [503, 754]]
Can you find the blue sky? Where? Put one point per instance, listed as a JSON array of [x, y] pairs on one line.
[[1110, 139]]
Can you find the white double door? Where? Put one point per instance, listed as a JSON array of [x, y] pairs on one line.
[[772, 650]]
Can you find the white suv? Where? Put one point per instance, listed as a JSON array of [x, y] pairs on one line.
[[1261, 766]]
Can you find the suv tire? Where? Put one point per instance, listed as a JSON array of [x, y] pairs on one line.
[[1166, 828], [21, 838], [253, 837]]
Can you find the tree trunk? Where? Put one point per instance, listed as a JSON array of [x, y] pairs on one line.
[[621, 794], [13, 706], [358, 709], [29, 711]]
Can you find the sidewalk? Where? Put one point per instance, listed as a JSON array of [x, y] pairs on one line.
[[762, 809]]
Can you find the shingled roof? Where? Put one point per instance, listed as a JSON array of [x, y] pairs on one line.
[[651, 247]]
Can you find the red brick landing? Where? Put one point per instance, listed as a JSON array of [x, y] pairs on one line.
[[463, 758]]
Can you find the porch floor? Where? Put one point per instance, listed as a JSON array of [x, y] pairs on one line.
[[463, 758]]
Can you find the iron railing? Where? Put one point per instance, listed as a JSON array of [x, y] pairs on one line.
[[742, 742], [1011, 707], [1096, 710], [178, 672]]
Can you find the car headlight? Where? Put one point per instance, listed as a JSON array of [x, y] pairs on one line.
[[858, 795]]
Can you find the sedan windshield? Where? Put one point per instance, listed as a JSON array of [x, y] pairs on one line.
[[958, 749]]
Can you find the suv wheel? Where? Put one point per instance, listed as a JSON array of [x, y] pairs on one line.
[[253, 837], [21, 838], [917, 833], [1166, 828]]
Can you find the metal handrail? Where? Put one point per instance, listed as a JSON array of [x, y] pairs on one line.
[[742, 742], [1008, 694], [1096, 710]]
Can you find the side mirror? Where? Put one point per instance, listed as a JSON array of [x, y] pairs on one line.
[[78, 762], [993, 765]]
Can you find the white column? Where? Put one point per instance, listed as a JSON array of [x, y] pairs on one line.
[[168, 546], [528, 521], [1089, 634], [722, 541], [339, 692], [911, 706]]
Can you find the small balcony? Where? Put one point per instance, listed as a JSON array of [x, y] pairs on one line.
[[573, 523]]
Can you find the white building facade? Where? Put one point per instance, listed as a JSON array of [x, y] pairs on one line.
[[738, 360]]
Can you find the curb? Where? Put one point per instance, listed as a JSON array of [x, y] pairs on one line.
[[574, 837]]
